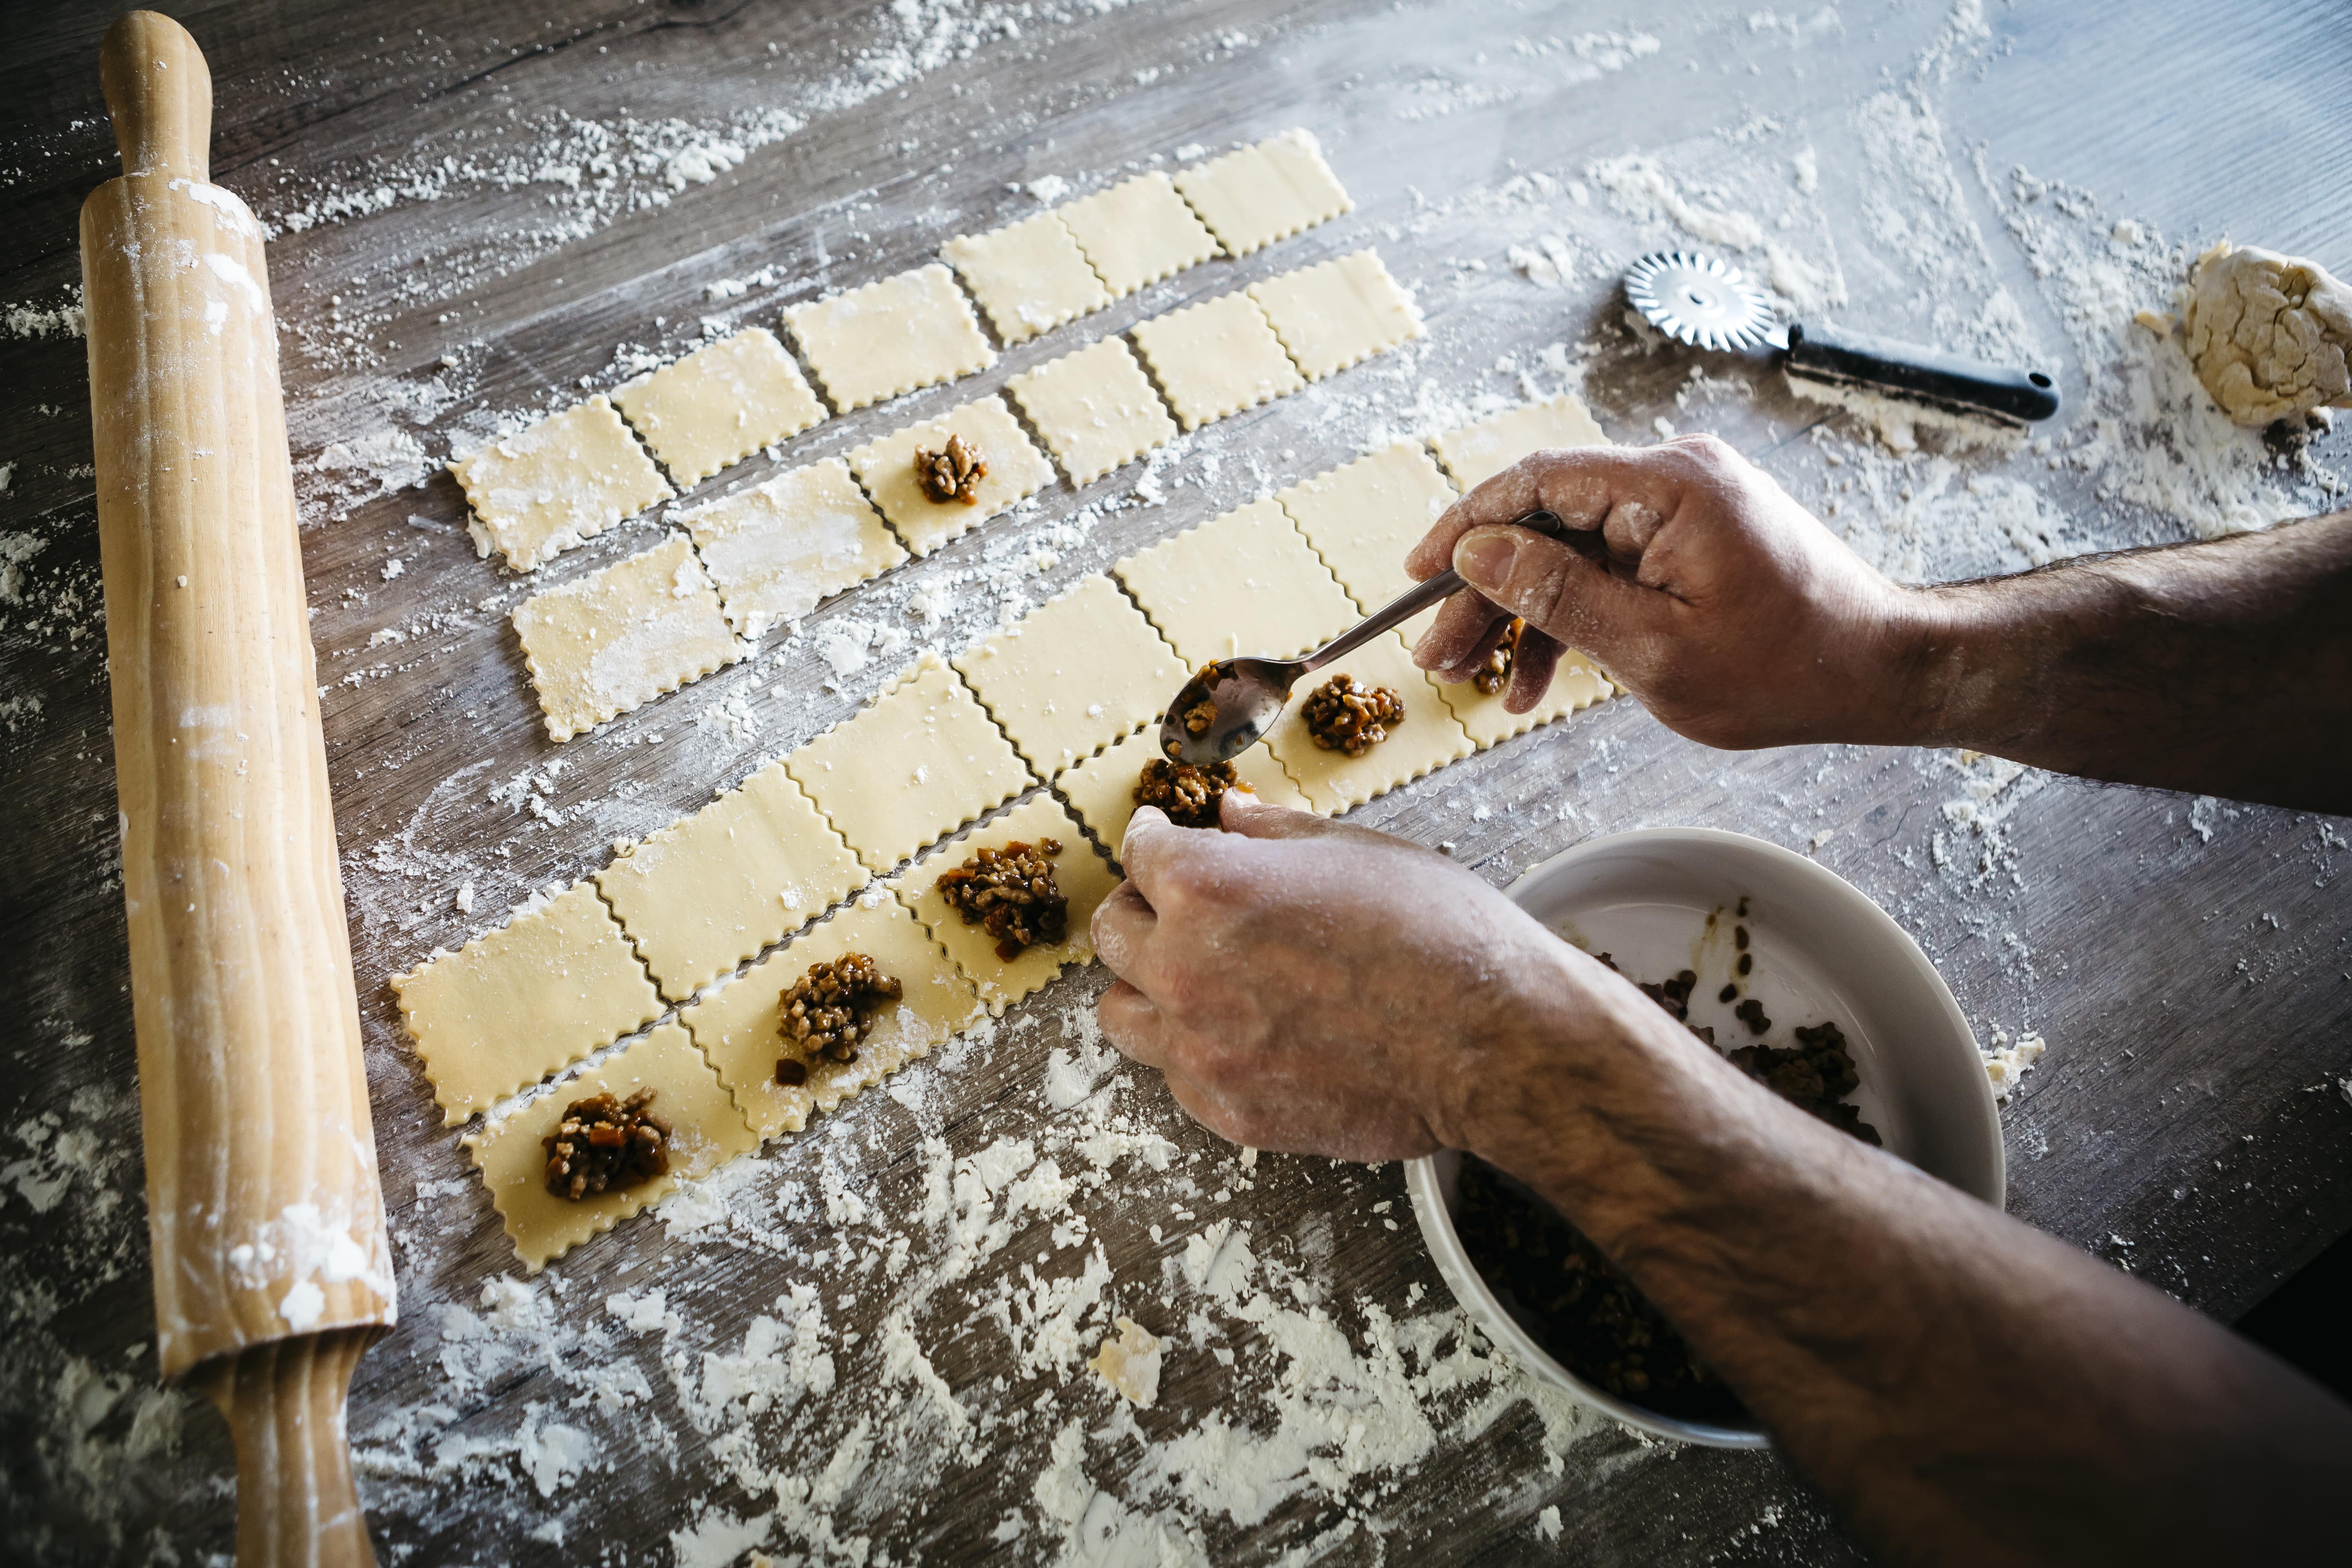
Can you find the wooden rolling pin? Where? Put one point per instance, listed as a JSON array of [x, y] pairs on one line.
[[272, 1270]]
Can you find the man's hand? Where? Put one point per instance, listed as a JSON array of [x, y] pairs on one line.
[[1729, 611], [1313, 987]]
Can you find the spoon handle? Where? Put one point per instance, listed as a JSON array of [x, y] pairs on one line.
[[1394, 613]]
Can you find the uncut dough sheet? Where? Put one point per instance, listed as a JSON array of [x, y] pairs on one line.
[[702, 895], [1216, 358], [1095, 407], [1259, 194], [620, 638], [903, 332], [1245, 582], [1030, 277], [1362, 517], [551, 485], [1016, 470], [706, 1132], [516, 1004], [1136, 233], [919, 762], [738, 1026], [720, 405], [1102, 788], [1338, 313], [1073, 675], [1428, 737], [778, 549], [1480, 451], [1081, 872]]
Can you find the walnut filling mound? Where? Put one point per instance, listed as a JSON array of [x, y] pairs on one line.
[[829, 1010], [1011, 894], [953, 474], [1495, 673], [1189, 795], [604, 1143], [1344, 717], [1814, 1074]]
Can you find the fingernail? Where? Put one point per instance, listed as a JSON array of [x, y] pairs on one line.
[[1485, 559]]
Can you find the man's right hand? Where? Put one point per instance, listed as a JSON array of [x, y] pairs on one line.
[[1736, 617]]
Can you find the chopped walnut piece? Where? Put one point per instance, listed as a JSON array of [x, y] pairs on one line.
[[1200, 716], [603, 1144], [953, 474], [1496, 671], [1344, 717], [1010, 893], [1189, 795], [830, 1009]]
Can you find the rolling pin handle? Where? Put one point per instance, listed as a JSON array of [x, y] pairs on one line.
[[161, 96]]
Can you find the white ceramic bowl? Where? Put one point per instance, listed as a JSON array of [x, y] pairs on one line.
[[1822, 952]]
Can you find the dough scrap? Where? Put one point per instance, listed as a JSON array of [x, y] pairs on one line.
[[917, 763], [1243, 582], [1338, 313], [1130, 1364], [720, 405], [1480, 451], [1095, 407], [1016, 470], [780, 549], [1073, 674], [1253, 197], [706, 1132], [1084, 876], [1429, 737], [702, 895], [2268, 334], [736, 1025], [551, 485], [1362, 517], [893, 336], [1030, 277], [1137, 232], [1216, 358], [552, 984], [1102, 788], [1576, 684], [620, 638]]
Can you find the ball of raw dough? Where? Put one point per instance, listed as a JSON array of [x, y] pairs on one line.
[[2268, 334]]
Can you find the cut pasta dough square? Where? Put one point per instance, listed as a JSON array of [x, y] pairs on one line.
[[1216, 358], [1073, 675], [1030, 277], [1137, 232], [510, 1006], [1102, 788], [720, 405], [1244, 583], [1361, 519], [1332, 315], [738, 1026], [1095, 407], [1480, 451], [620, 638], [1082, 874], [1575, 685], [702, 895], [706, 1132], [1427, 738], [551, 486], [1016, 470], [1251, 198], [778, 549], [918, 763], [910, 330]]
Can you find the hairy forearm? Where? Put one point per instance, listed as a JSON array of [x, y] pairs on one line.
[[1965, 1388], [2222, 668]]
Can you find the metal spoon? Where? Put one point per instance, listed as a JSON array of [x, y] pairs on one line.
[[1236, 700]]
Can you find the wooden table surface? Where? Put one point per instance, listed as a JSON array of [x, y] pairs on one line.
[[2185, 961]]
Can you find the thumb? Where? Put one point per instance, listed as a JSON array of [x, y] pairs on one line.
[[1242, 811], [1567, 595]]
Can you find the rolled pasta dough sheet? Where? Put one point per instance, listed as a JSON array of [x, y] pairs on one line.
[[556, 483], [1216, 358], [892, 336], [1084, 876], [620, 638], [720, 405], [1095, 407], [1073, 674]]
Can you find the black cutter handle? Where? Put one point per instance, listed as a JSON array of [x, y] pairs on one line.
[[1951, 379]]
